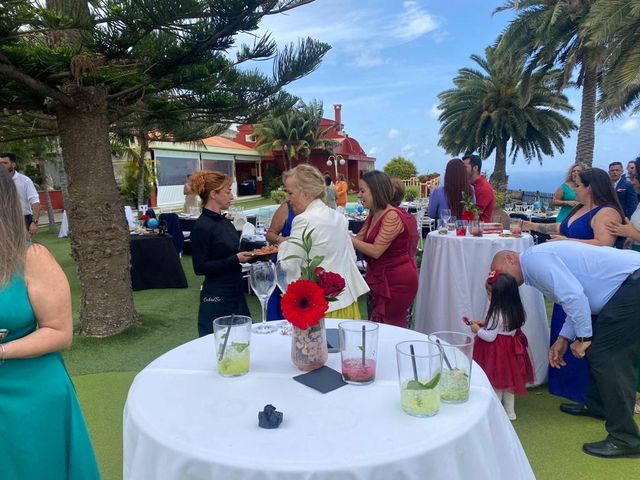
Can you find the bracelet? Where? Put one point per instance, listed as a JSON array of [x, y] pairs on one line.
[[3, 353]]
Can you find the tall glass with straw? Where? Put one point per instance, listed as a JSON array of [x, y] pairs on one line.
[[419, 370], [263, 282]]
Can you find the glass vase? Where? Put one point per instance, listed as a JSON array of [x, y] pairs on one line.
[[309, 347]]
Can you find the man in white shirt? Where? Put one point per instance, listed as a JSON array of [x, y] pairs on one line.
[[590, 280], [29, 199]]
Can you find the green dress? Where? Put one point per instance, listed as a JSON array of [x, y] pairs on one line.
[[568, 195], [42, 431]]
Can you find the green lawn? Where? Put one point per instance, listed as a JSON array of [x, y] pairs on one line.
[[103, 370]]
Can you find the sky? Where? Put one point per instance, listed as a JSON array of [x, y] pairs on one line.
[[389, 61]]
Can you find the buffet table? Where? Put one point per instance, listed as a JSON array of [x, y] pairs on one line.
[[183, 420], [452, 285], [155, 263]]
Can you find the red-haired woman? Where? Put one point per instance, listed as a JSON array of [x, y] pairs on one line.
[[215, 252], [449, 196]]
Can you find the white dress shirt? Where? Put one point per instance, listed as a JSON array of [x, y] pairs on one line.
[[331, 240], [581, 278], [27, 192]]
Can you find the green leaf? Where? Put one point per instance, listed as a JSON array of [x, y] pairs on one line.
[[239, 347], [431, 384], [315, 262]]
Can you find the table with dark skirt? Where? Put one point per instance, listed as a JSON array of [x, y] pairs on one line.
[[155, 263]]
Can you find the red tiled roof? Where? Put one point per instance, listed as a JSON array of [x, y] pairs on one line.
[[223, 142]]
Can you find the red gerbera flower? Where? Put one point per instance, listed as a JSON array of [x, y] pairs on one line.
[[467, 215], [304, 304]]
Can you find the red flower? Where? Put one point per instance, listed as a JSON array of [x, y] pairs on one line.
[[467, 215], [144, 217], [304, 304], [332, 284]]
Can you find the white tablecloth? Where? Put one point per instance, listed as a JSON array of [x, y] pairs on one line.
[[452, 279], [183, 420], [64, 226]]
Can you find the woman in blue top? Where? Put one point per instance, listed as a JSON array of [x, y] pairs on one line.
[[279, 230], [449, 196], [597, 206], [565, 196]]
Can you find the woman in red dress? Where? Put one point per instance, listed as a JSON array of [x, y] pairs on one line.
[[388, 242]]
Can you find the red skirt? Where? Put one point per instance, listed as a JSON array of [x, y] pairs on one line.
[[505, 361]]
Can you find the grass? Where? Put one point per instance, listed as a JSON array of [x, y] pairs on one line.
[[103, 370]]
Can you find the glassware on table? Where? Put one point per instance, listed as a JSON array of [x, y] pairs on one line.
[[442, 226], [461, 227], [419, 372], [232, 337], [358, 347], [476, 228], [451, 224], [445, 214], [263, 282], [516, 226], [281, 280], [457, 359]]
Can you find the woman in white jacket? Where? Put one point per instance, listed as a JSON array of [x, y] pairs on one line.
[[331, 238]]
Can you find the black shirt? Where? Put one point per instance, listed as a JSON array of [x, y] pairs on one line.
[[215, 243]]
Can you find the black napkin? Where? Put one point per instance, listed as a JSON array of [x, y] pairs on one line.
[[323, 379]]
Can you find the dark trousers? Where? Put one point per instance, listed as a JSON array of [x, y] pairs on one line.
[[613, 359]]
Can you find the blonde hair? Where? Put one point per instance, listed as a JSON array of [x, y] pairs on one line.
[[569, 177], [203, 183], [13, 231], [309, 180]]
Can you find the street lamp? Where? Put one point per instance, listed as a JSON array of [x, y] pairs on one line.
[[335, 160]]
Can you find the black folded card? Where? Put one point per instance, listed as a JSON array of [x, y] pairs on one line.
[[323, 379]]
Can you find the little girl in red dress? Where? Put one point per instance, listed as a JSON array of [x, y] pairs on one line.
[[500, 346]]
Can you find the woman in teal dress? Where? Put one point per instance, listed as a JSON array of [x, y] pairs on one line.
[[42, 431], [565, 196]]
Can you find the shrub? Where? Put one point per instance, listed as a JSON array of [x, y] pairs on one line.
[[410, 194], [277, 196], [501, 198], [400, 167]]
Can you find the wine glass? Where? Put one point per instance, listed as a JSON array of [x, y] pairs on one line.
[[263, 282], [445, 214], [281, 280]]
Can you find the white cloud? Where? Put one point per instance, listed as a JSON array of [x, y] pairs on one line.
[[408, 148], [393, 133], [629, 125], [413, 22], [368, 59], [434, 112], [426, 151], [374, 151]]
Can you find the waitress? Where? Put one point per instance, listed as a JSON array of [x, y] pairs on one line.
[[215, 254]]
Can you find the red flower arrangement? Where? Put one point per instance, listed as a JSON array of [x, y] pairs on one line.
[[306, 300], [467, 215]]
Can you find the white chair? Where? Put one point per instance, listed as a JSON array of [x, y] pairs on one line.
[[423, 221], [263, 218], [523, 207]]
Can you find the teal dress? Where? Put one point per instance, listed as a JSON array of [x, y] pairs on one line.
[[42, 431], [568, 195]]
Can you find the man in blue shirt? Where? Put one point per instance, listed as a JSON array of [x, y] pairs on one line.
[[590, 280], [625, 191]]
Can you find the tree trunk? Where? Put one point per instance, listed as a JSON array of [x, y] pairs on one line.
[[144, 148], [98, 228], [47, 196], [587, 130], [499, 176], [64, 185]]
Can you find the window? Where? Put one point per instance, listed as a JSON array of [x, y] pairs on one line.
[[250, 138], [174, 170]]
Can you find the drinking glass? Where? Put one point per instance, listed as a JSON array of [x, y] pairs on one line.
[[457, 359], [358, 346], [516, 226], [232, 335], [451, 224], [263, 282], [442, 227], [445, 214], [281, 280], [461, 227], [419, 373]]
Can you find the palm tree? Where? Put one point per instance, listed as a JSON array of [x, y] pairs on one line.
[[549, 31], [616, 23], [488, 109], [296, 133]]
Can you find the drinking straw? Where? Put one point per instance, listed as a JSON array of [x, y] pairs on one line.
[[226, 337], [364, 339], [413, 362], [444, 355]]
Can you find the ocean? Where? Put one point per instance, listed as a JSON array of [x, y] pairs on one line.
[[543, 181]]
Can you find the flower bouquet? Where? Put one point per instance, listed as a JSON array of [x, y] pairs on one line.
[[305, 304], [471, 212]]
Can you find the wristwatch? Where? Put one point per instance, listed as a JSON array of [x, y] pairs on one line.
[[583, 339]]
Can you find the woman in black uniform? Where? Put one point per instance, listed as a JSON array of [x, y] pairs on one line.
[[215, 254]]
